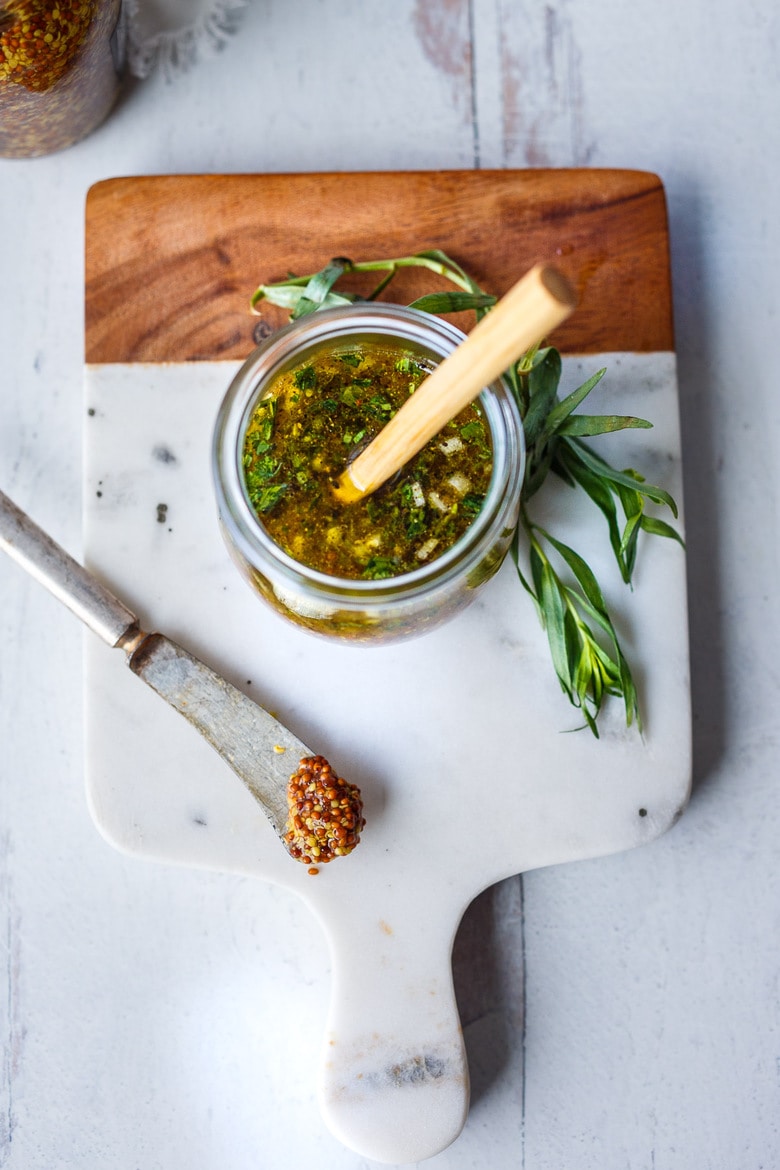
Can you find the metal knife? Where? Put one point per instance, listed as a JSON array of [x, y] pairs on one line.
[[246, 737]]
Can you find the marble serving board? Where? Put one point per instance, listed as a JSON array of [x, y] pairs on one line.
[[461, 740]]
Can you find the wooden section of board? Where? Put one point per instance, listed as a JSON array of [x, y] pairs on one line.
[[172, 261]]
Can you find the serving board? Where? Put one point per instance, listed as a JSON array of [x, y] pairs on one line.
[[456, 738]]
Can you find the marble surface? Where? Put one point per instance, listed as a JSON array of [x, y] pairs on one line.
[[457, 739], [618, 1012]]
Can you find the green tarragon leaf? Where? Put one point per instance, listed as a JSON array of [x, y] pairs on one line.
[[542, 380], [561, 411], [600, 424], [319, 287], [452, 302], [289, 296], [628, 478]]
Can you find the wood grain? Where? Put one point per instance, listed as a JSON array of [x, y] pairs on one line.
[[172, 261]]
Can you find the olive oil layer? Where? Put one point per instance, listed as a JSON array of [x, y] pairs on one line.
[[313, 420]]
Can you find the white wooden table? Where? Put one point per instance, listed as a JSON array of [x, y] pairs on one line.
[[618, 1013]]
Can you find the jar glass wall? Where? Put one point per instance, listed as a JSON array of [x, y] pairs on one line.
[[359, 610]]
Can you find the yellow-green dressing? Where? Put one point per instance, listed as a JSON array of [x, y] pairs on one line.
[[313, 420]]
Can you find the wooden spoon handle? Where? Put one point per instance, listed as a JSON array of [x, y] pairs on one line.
[[540, 301]]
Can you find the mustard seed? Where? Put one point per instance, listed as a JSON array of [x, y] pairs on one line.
[[58, 78], [320, 826]]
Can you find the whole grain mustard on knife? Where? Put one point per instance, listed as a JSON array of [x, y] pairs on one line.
[[317, 815]]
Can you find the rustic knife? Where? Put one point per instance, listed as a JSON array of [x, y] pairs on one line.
[[257, 747]]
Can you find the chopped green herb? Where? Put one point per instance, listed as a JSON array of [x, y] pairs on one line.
[[471, 432], [305, 378], [472, 503], [379, 567], [265, 498], [378, 407], [259, 445], [416, 522], [265, 467]]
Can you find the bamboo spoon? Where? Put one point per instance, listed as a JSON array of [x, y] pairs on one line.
[[532, 308]]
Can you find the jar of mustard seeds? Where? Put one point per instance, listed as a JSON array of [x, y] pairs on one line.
[[59, 72], [373, 607]]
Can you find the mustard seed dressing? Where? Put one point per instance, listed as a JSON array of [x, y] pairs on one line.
[[318, 415], [39, 38]]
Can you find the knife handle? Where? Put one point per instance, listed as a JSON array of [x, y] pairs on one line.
[[65, 578], [394, 1081]]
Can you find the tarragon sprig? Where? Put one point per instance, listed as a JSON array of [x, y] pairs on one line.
[[304, 294], [586, 654]]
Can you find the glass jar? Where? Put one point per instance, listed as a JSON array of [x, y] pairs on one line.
[[59, 72], [391, 608]]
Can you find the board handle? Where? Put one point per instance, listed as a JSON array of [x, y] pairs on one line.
[[394, 1083]]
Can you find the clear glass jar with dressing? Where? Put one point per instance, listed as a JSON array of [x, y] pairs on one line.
[[391, 608]]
